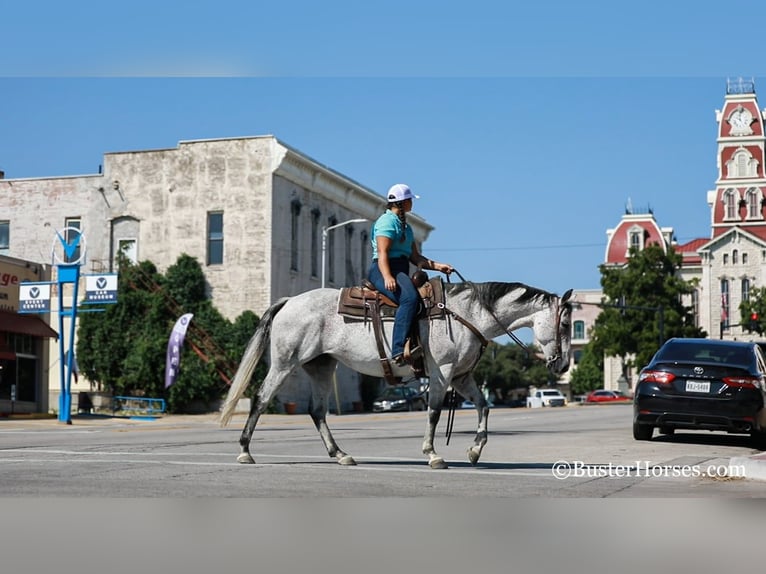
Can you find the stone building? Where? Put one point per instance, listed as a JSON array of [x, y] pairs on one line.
[[251, 210]]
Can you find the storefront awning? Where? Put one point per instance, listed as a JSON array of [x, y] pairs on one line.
[[25, 325]]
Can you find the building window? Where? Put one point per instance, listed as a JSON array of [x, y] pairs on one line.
[[577, 355], [349, 263], [753, 199], [742, 164], [724, 303], [730, 201], [635, 240], [73, 229], [744, 259], [745, 289], [696, 307], [215, 238], [295, 211], [331, 251], [734, 257], [5, 235], [315, 242], [578, 330], [129, 248], [364, 263]]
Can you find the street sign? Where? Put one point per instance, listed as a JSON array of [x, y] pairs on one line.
[[34, 297], [101, 288]]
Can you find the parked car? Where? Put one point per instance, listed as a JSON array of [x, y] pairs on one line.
[[702, 384], [546, 398], [402, 398], [605, 396]]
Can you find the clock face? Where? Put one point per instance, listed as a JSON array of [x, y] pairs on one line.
[[740, 118]]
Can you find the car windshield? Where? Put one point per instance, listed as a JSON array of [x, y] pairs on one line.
[[707, 353], [551, 393], [393, 393]]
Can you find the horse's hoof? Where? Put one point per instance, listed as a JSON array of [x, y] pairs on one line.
[[437, 463], [245, 458], [347, 460], [473, 456]]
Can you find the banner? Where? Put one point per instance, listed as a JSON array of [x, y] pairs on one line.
[[173, 357]]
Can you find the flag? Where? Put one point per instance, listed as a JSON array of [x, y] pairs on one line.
[[724, 309], [173, 356]]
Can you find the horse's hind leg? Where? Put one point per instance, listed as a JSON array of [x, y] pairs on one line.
[[271, 383], [321, 371]]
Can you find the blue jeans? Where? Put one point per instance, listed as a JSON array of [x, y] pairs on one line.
[[406, 296]]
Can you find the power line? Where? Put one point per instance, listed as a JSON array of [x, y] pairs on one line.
[[517, 248]]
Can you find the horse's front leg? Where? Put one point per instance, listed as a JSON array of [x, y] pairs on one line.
[[435, 404], [468, 388]]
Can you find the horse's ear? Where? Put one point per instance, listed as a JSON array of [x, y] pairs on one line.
[[566, 296]]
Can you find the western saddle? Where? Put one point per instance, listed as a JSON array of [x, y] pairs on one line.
[[364, 302]]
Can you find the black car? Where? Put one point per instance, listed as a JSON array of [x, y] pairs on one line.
[[702, 384], [400, 398]]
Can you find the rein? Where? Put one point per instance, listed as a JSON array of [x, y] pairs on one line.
[[484, 343]]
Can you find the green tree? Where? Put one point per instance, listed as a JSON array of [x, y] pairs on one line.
[[589, 373], [643, 298], [755, 304], [124, 347], [506, 367]]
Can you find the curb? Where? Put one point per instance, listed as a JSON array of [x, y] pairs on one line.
[[754, 466]]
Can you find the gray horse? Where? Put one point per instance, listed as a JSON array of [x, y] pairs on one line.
[[307, 331]]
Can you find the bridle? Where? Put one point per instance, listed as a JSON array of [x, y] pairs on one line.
[[484, 343], [560, 308]]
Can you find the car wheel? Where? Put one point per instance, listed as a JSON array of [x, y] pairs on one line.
[[670, 431], [642, 432]]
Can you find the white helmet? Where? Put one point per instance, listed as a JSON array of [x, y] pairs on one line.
[[400, 192]]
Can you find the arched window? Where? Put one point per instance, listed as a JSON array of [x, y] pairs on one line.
[[742, 164], [730, 201], [753, 198], [734, 257]]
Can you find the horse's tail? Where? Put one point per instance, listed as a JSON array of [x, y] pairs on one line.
[[250, 359]]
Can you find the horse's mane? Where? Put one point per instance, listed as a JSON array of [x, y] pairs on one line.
[[487, 294]]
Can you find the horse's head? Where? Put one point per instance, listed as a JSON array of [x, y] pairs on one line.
[[553, 332]]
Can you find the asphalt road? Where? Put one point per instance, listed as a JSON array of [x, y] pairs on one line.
[[571, 452]]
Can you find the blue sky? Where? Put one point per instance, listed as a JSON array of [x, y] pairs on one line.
[[525, 129]]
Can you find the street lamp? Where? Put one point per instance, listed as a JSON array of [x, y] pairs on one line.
[[324, 266], [324, 242]]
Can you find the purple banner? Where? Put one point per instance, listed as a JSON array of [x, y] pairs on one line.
[[173, 357]]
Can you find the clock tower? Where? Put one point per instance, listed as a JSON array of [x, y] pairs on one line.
[[733, 261], [738, 199]]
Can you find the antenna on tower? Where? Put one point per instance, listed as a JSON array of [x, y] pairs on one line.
[[629, 207]]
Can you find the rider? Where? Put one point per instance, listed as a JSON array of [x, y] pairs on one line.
[[393, 249]]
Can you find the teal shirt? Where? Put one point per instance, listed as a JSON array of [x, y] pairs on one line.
[[388, 225]]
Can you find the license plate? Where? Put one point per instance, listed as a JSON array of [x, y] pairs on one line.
[[697, 386]]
